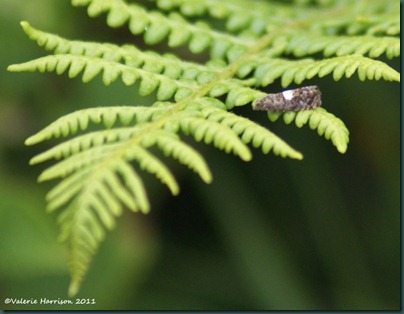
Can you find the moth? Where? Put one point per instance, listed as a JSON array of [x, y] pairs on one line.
[[298, 99]]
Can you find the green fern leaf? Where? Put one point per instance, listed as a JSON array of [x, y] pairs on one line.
[[156, 27], [240, 15], [172, 146], [319, 119], [302, 45], [80, 223], [79, 120], [221, 136], [251, 132], [298, 71], [149, 82]]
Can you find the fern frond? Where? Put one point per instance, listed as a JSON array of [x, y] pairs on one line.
[[157, 27], [301, 45], [97, 180], [96, 204], [251, 132], [385, 26], [129, 55], [297, 71], [221, 136], [169, 75], [79, 120], [172, 146], [149, 82], [252, 44], [240, 15], [380, 18], [326, 124], [74, 65]]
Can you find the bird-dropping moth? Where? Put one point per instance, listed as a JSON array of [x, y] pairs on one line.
[[298, 99]]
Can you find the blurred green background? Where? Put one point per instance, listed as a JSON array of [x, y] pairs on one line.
[[322, 233]]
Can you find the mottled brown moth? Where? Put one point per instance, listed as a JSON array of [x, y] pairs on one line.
[[298, 99]]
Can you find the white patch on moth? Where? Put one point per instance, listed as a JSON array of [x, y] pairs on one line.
[[288, 94]]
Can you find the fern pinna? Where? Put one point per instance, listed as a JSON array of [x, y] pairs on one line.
[[260, 42]]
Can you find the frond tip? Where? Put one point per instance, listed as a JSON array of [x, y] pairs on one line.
[[326, 124]]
